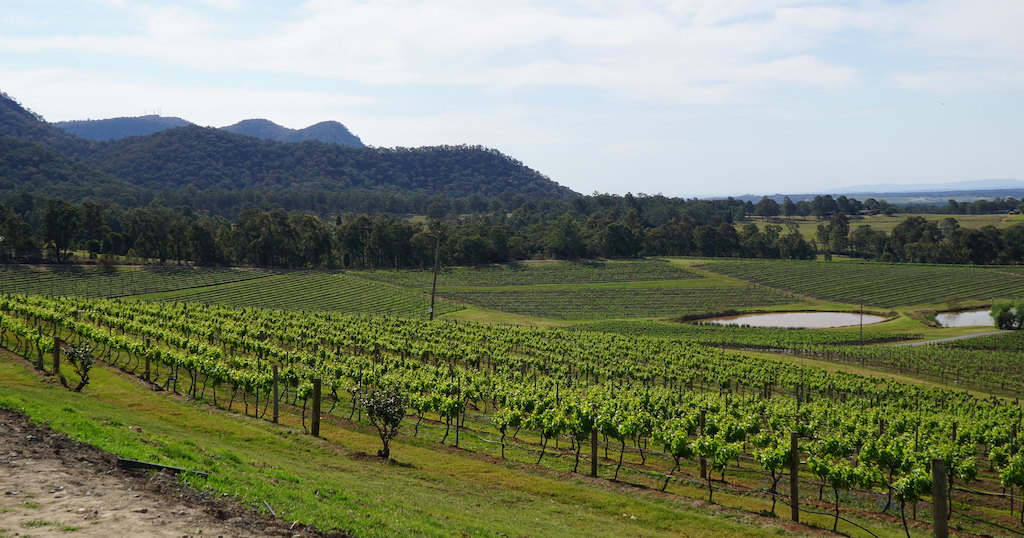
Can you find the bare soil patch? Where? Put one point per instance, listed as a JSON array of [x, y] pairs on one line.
[[51, 485]]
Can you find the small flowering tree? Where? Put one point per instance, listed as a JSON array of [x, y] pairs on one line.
[[385, 409], [81, 360]]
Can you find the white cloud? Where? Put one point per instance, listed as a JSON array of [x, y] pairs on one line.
[[60, 95]]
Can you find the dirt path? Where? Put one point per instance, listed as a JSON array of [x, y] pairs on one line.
[[53, 486], [950, 339]]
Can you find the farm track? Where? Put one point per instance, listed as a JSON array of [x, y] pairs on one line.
[[950, 339]]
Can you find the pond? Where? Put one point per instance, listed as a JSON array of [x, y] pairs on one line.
[[797, 320], [967, 318]]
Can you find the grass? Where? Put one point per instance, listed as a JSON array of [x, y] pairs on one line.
[[330, 483]]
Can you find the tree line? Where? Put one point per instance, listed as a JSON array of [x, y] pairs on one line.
[[919, 240], [597, 226], [55, 229]]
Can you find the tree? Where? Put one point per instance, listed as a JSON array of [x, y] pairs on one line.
[[767, 208], [839, 232], [81, 361], [788, 207], [563, 238], [60, 225], [385, 409], [1008, 315]]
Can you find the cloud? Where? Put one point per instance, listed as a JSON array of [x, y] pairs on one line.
[[217, 106], [689, 51]]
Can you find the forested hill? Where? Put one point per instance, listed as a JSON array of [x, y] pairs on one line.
[[208, 158], [241, 171], [325, 131], [118, 128], [114, 128]]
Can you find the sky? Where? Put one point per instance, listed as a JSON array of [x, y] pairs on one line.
[[683, 98]]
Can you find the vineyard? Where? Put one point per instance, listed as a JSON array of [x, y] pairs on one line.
[[547, 272], [584, 303], [116, 281], [736, 336], [664, 414], [877, 284], [314, 290]]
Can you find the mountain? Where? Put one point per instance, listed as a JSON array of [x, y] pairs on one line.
[[114, 128], [207, 158], [118, 128], [224, 172], [325, 131]]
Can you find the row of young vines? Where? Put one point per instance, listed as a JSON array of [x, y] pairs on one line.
[[660, 407]]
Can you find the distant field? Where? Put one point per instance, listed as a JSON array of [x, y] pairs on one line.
[[583, 290], [314, 291], [877, 284], [808, 226], [578, 303], [545, 272], [116, 281]]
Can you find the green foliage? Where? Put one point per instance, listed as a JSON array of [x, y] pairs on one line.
[[81, 360], [1008, 315]]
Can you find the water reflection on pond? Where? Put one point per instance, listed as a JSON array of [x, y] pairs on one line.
[[967, 318], [797, 320]]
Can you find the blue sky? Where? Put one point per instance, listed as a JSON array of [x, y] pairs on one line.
[[684, 98]]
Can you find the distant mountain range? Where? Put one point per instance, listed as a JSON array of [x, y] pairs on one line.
[[922, 193], [975, 185], [118, 128], [325, 131], [223, 172]]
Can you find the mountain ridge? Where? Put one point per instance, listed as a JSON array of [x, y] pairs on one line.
[[325, 131], [225, 172], [328, 131]]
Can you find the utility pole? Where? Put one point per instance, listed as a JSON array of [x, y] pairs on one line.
[[437, 264]]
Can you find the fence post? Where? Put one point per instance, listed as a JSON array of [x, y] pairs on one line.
[[276, 399], [794, 475], [147, 360], [56, 356], [939, 516], [593, 448], [315, 429]]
